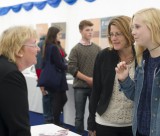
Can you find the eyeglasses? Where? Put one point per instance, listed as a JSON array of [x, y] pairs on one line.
[[34, 45], [117, 34]]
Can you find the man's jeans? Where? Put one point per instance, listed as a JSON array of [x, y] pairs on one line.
[[47, 108], [80, 96]]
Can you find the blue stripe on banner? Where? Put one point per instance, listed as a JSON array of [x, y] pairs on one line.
[[39, 5]]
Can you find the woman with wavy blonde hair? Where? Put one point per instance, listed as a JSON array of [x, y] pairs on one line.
[[18, 51]]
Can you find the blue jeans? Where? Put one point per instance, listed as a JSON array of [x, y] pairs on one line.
[[80, 96], [47, 108]]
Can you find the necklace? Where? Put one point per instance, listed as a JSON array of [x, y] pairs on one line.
[[148, 50], [154, 48], [128, 61]]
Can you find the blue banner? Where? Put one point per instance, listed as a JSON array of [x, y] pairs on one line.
[[39, 5]]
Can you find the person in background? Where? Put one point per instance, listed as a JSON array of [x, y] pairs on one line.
[[46, 97], [110, 111], [80, 65], [59, 97], [144, 89], [41, 45], [18, 50]]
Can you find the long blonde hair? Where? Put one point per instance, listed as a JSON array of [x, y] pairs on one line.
[[151, 18]]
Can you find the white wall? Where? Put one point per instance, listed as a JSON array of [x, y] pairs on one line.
[[73, 14]]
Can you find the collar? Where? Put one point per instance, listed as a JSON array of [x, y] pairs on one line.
[[84, 43]]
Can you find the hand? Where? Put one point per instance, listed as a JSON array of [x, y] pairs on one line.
[[44, 92], [89, 81], [122, 71], [91, 133]]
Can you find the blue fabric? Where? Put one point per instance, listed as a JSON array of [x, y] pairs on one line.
[[133, 89], [51, 75], [39, 5], [54, 3], [80, 96], [47, 107], [16, 8], [56, 59], [144, 108], [27, 6], [70, 2]]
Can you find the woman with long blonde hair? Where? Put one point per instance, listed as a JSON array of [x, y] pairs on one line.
[[144, 90]]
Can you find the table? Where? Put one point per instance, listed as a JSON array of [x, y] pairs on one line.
[[49, 130], [34, 94]]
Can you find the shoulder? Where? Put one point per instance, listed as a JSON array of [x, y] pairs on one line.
[[94, 44], [51, 47], [107, 53], [6, 67], [13, 79], [15, 76], [76, 47]]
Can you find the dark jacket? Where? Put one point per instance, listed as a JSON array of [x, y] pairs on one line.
[[14, 111], [103, 80], [57, 59]]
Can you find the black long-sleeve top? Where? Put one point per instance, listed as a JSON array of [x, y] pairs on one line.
[[14, 111], [103, 80]]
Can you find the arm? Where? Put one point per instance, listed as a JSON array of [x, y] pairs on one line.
[[95, 94], [14, 104], [57, 59], [88, 80], [38, 72], [74, 70], [127, 85]]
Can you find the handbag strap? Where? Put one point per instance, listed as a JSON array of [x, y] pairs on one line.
[[48, 51]]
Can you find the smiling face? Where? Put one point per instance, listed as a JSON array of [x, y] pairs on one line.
[[141, 32], [27, 55], [118, 40]]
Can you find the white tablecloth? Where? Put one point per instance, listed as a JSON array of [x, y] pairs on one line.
[[34, 93], [35, 100], [49, 130]]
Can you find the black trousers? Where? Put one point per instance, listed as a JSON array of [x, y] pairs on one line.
[[59, 99], [113, 131]]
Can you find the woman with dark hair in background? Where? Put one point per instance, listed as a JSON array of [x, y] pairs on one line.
[[58, 95], [46, 97]]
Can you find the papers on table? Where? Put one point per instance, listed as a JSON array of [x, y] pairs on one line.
[[50, 130]]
